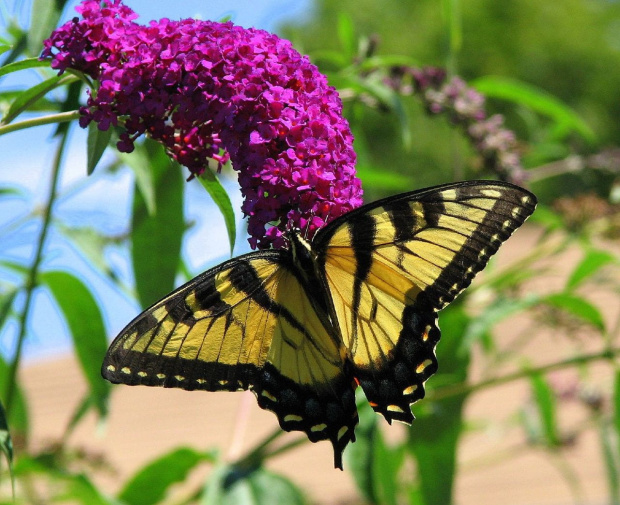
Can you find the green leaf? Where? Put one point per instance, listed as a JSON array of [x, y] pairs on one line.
[[95, 146], [359, 456], [80, 489], [593, 261], [12, 191], [346, 35], [382, 179], [139, 161], [91, 243], [18, 416], [566, 119], [23, 65], [229, 485], [616, 410], [29, 96], [374, 465], [150, 484], [386, 466], [433, 439], [611, 460], [156, 238], [6, 303], [15, 266], [494, 314], [578, 307], [44, 18], [85, 323], [6, 444], [545, 401], [393, 101], [218, 194]]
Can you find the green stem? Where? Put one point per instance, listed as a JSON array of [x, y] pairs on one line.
[[31, 280], [464, 388], [258, 452], [62, 117]]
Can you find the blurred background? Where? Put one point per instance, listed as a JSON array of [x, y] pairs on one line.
[[526, 405]]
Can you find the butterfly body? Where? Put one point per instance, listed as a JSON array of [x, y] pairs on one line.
[[302, 327]]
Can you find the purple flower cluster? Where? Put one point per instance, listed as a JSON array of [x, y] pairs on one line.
[[466, 108], [209, 90]]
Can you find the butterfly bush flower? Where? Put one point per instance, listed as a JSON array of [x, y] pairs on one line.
[[209, 90]]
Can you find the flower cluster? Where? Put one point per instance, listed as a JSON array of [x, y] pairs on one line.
[[465, 107], [209, 90]]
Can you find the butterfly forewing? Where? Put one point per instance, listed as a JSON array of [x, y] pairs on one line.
[[390, 266]]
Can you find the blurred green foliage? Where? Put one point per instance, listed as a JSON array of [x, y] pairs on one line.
[[570, 50]]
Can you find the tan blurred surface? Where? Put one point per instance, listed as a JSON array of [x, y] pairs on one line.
[[496, 466]]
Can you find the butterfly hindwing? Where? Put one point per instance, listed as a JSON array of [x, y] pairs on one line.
[[248, 323], [390, 266]]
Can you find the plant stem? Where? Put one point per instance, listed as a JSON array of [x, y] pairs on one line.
[[257, 453], [464, 388], [31, 280], [62, 117]]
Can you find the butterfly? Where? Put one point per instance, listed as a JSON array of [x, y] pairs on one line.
[[303, 327]]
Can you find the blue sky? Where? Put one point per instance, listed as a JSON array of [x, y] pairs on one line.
[[104, 202]]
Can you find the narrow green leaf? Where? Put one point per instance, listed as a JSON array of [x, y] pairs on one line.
[[594, 260], [6, 303], [218, 194], [386, 467], [139, 161], [616, 410], [15, 266], [29, 96], [346, 35], [44, 18], [80, 489], [4, 48], [6, 444], [433, 440], [359, 456], [156, 238], [540, 101], [150, 484], [578, 307], [90, 242], [18, 416], [95, 146], [611, 459], [23, 65], [229, 485], [393, 101], [11, 191], [85, 323], [494, 314], [545, 401], [382, 179]]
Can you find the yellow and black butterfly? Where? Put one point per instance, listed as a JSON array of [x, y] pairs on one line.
[[302, 327]]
